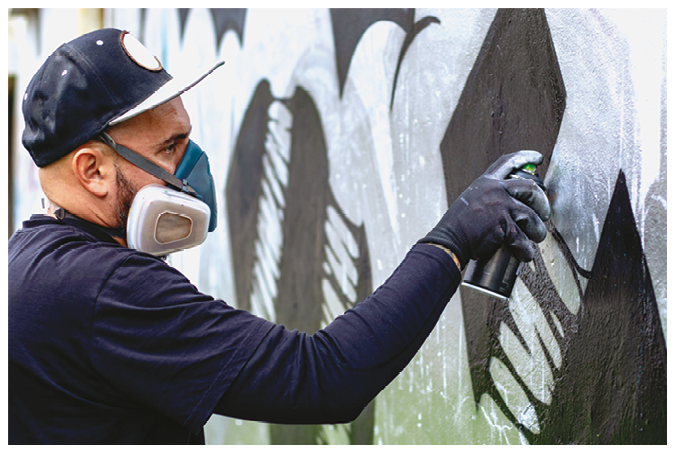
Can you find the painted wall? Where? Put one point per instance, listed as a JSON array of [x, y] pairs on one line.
[[337, 138]]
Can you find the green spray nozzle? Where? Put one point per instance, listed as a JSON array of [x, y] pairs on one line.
[[530, 168]]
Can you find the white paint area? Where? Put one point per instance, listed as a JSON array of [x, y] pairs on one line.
[[271, 212]]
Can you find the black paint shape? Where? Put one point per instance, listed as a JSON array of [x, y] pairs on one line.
[[224, 19], [409, 37], [513, 99], [349, 25], [182, 20], [244, 190], [307, 198], [613, 381], [141, 32], [300, 297]]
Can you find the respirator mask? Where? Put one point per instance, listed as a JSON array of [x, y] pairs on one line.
[[167, 219]]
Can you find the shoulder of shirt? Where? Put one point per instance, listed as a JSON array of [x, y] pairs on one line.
[[57, 233]]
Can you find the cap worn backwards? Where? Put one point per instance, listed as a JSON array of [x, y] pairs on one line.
[[98, 79]]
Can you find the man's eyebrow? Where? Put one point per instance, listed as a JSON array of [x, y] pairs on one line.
[[175, 137]]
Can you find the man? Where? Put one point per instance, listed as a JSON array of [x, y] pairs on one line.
[[109, 344]]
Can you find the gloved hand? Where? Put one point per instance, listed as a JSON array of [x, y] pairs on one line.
[[495, 211]]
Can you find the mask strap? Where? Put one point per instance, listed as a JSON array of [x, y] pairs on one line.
[[147, 165]]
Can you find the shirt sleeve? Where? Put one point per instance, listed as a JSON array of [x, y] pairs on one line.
[[162, 344], [329, 377]]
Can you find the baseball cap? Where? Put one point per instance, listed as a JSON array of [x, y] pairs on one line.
[[94, 81]]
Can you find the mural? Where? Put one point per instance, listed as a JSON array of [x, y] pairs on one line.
[[514, 99], [338, 137], [301, 262]]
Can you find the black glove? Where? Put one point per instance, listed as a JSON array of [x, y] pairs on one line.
[[495, 211]]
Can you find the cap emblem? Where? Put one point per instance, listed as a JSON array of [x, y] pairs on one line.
[[139, 53]]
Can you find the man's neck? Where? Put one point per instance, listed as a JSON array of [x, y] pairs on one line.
[[55, 211]]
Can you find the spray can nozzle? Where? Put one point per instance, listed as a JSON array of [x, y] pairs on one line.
[[530, 168], [496, 275]]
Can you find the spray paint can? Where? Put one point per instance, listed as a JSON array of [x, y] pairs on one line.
[[497, 274]]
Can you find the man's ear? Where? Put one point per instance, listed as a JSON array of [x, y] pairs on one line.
[[94, 169]]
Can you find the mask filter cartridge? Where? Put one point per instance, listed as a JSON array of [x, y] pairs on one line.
[[162, 221]]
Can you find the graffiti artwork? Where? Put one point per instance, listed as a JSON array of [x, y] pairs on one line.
[[513, 99], [301, 263], [523, 109]]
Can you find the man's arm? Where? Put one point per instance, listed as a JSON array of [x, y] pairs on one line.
[[330, 376]]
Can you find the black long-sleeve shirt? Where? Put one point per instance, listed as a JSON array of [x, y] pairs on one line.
[[110, 345]]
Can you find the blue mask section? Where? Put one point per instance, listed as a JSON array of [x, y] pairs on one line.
[[194, 168]]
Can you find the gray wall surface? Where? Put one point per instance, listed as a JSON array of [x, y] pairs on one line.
[[338, 138]]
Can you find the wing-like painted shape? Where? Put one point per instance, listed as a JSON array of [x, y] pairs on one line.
[[298, 260]]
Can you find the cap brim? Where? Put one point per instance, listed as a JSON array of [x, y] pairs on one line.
[[171, 89]]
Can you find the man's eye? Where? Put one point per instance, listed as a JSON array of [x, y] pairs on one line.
[[170, 149]]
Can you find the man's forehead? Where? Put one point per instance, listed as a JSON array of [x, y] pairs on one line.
[[168, 118]]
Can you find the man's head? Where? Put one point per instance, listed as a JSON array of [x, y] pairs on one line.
[[95, 183], [104, 81]]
